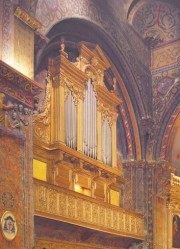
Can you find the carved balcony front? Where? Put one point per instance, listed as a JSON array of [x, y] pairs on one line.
[[65, 205]]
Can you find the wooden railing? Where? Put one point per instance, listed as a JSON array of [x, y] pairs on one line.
[[65, 205]]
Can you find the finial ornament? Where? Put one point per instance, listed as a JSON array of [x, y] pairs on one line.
[[62, 47]]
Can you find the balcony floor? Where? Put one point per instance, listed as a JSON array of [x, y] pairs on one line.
[[47, 229]]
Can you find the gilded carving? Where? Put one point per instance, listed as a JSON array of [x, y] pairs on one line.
[[108, 218], [71, 206], [80, 212], [66, 204], [115, 220], [127, 223], [95, 212], [121, 221], [102, 216], [62, 204], [53, 201], [42, 197], [87, 211], [71, 87], [42, 117]]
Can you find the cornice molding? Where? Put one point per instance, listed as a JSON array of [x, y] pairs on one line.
[[17, 85], [25, 17]]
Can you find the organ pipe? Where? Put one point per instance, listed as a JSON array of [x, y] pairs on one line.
[[70, 122], [106, 143], [89, 136]]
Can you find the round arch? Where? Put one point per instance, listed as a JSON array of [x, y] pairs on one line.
[[77, 30]]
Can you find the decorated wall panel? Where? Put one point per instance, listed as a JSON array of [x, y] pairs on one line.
[[165, 56], [12, 185], [23, 48]]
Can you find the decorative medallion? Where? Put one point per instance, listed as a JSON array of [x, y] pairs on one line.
[[7, 199], [9, 225]]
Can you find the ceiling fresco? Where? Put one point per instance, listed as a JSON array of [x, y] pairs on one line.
[[156, 21]]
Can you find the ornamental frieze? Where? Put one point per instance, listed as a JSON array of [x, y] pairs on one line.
[[17, 85]]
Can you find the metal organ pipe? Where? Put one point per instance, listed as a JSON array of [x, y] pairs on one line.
[[106, 142], [89, 140], [70, 122]]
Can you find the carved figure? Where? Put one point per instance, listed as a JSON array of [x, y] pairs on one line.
[[15, 122]]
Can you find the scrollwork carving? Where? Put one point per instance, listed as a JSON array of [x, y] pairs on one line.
[[41, 115], [69, 86], [107, 113]]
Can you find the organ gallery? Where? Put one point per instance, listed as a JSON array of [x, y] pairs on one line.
[[89, 124]]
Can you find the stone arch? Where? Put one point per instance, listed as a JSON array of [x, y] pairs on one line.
[[130, 105]]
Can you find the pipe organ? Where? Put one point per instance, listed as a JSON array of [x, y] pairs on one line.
[[77, 178], [80, 135]]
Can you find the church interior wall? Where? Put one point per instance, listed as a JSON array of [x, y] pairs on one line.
[[135, 47]]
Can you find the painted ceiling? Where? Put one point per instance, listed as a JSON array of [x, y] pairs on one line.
[[156, 20]]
